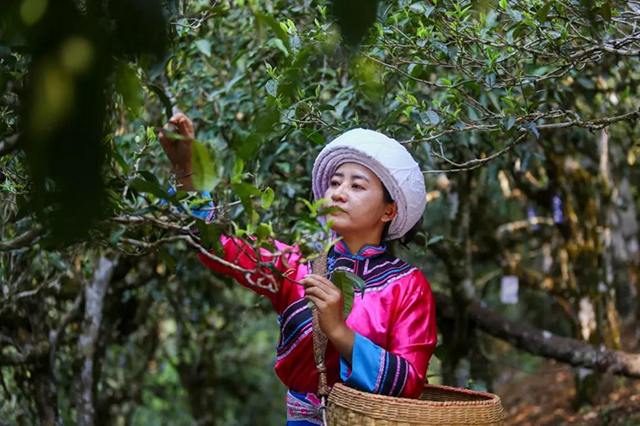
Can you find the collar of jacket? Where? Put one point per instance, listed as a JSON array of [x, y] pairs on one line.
[[366, 252]]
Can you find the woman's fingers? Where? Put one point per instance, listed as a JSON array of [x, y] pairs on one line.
[[184, 125], [176, 117], [312, 287], [321, 289], [318, 303], [321, 282]]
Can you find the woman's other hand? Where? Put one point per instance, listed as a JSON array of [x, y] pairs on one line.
[[179, 149], [329, 302]]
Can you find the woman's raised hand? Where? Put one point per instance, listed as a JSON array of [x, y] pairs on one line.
[[178, 149]]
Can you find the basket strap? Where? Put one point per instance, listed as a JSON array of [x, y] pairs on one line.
[[319, 267]]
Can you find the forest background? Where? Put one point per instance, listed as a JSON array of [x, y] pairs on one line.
[[522, 114]]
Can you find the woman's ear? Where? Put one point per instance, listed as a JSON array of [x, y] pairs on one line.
[[390, 212]]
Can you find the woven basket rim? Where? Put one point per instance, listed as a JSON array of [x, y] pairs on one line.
[[491, 399]]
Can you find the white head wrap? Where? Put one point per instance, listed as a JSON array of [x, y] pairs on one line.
[[385, 157]]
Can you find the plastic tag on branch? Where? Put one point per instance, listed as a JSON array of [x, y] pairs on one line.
[[509, 286]]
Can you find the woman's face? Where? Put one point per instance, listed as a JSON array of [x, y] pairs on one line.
[[358, 191]]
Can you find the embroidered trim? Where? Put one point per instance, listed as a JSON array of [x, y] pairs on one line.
[[303, 408], [365, 252], [381, 286], [295, 325], [381, 370], [294, 345], [377, 271], [392, 368]]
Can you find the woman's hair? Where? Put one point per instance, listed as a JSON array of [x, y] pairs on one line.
[[410, 235]]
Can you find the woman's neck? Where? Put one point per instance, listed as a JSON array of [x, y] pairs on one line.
[[355, 244]]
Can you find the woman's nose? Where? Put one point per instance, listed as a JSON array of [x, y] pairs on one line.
[[338, 194]]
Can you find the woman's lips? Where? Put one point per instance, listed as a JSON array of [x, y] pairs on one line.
[[337, 211]]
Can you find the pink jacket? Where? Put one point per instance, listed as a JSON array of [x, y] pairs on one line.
[[395, 321]]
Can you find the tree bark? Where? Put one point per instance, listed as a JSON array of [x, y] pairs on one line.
[[94, 302], [541, 342], [45, 394]]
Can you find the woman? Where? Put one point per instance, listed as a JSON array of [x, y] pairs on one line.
[[385, 344]]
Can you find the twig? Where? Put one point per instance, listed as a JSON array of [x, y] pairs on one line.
[[23, 240], [478, 162]]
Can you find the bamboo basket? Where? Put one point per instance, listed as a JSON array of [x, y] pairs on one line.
[[438, 405]]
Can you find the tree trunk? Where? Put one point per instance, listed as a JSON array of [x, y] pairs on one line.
[[94, 302], [541, 342], [45, 393]]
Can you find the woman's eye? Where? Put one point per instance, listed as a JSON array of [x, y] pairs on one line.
[[356, 186], [334, 183]]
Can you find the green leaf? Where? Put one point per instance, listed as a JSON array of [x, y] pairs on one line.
[[115, 235], [238, 168], [428, 10], [275, 26], [511, 122], [245, 191], [272, 88], [324, 212], [345, 284], [280, 45], [141, 185], [264, 231], [204, 169], [605, 12], [435, 240], [357, 282], [490, 80], [541, 16], [430, 118], [210, 233], [204, 46], [534, 129], [120, 160], [149, 177], [267, 198], [164, 98], [129, 86]]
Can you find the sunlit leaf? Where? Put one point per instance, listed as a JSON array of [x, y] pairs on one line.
[[129, 86], [204, 168], [267, 198], [435, 240], [204, 46], [263, 231], [272, 88]]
